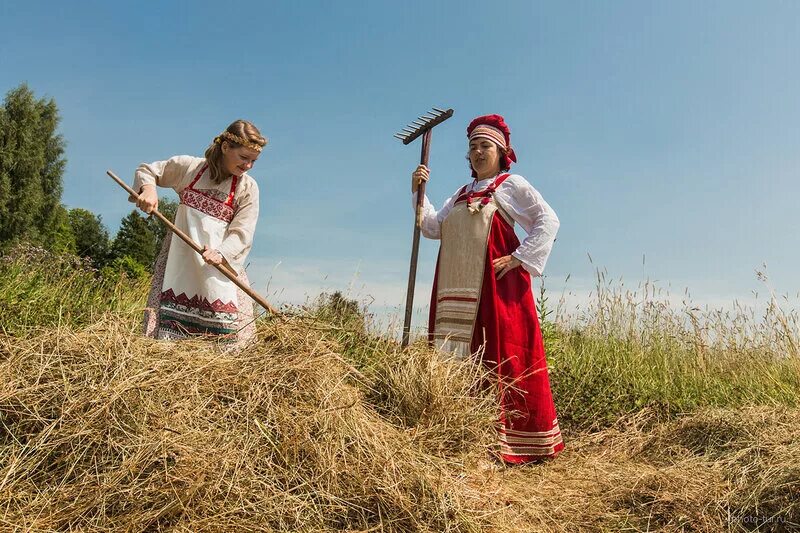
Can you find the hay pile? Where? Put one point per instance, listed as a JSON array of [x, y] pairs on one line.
[[103, 429]]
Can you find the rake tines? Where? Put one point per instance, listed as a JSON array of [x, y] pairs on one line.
[[422, 124]]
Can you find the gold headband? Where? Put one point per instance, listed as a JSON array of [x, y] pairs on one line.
[[238, 140]]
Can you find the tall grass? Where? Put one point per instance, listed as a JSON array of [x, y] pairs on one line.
[[630, 349], [40, 289]]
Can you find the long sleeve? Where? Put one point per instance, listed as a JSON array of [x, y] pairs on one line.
[[527, 207], [431, 218], [239, 236], [176, 173]]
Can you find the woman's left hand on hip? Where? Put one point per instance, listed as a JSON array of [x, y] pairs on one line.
[[505, 264]]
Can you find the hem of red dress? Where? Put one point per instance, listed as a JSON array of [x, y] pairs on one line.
[[529, 459]]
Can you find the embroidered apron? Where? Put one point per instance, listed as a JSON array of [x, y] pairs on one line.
[[462, 259], [197, 299]]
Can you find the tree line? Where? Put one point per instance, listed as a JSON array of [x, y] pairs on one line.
[[32, 164]]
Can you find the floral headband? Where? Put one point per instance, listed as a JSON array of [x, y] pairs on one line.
[[226, 135]]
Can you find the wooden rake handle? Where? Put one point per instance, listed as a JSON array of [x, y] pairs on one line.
[[420, 127], [412, 269], [423, 160], [224, 269]]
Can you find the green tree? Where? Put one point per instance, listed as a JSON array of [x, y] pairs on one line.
[[135, 239], [91, 236], [61, 235], [31, 169], [140, 238]]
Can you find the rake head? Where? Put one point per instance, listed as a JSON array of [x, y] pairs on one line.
[[423, 124]]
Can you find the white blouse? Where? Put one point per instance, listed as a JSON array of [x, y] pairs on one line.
[[526, 207], [179, 171]]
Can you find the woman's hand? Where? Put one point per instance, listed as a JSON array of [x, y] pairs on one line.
[[212, 257], [505, 264], [420, 174], [148, 199]]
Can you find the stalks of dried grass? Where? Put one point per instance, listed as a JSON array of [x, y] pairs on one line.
[[444, 410], [714, 470], [103, 429]]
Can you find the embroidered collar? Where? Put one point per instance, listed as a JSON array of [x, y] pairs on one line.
[[479, 185]]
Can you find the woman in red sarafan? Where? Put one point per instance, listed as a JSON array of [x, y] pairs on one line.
[[482, 303], [219, 210]]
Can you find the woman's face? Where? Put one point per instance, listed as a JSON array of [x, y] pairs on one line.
[[237, 159], [485, 157]]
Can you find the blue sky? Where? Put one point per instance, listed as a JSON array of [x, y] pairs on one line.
[[663, 130]]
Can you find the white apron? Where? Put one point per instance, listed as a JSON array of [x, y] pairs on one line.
[[460, 268], [196, 299]]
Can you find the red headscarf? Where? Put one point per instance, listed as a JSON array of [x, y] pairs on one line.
[[494, 128]]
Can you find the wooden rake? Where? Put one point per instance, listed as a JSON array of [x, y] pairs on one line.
[[230, 274], [421, 126], [226, 271]]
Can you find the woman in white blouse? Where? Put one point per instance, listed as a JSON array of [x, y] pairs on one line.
[[218, 209], [482, 302]]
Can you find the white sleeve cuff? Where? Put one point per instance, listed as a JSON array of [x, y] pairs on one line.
[[530, 268]]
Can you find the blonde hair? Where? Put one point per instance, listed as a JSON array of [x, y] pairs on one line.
[[238, 128]]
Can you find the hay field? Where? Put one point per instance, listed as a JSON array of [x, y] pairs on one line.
[[325, 426]]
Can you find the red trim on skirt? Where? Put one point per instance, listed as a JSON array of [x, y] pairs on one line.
[[508, 331]]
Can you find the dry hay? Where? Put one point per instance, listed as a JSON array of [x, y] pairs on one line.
[[103, 429], [716, 470]]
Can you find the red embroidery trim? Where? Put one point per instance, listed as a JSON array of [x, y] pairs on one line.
[[196, 302], [486, 193], [206, 203], [457, 299]]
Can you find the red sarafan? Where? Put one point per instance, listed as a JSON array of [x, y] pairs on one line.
[[482, 304]]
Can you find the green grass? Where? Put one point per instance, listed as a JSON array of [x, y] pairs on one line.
[[40, 289], [597, 380], [634, 349]]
